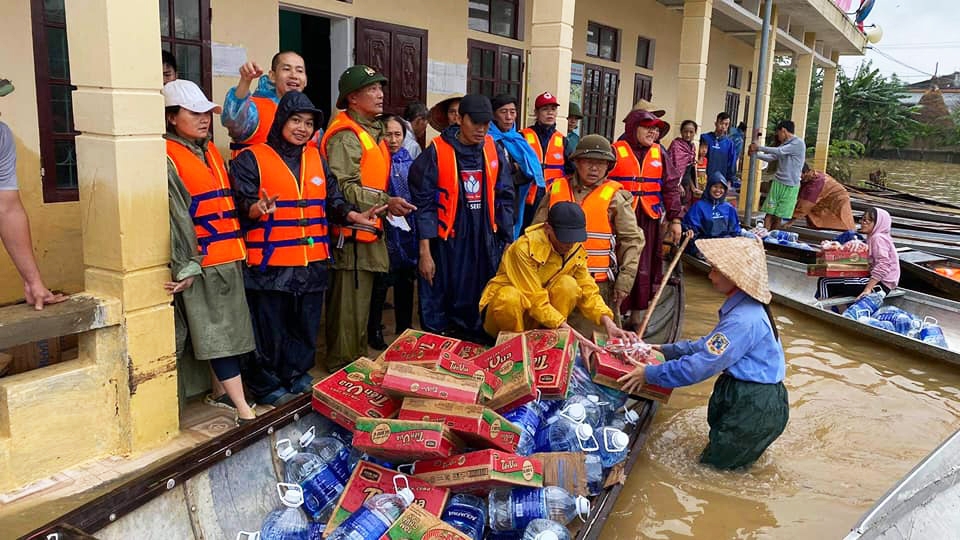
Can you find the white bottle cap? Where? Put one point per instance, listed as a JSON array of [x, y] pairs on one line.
[[584, 432], [620, 441], [631, 416], [576, 412], [593, 398], [583, 507], [546, 535], [292, 497], [308, 437]]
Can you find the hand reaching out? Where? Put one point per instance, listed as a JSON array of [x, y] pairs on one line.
[[368, 218]]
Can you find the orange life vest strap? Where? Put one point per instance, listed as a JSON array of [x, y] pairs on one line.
[[448, 184]]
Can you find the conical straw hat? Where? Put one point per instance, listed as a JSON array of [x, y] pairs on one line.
[[742, 260]]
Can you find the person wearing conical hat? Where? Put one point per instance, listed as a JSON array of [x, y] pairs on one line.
[[614, 241], [749, 408], [445, 113]]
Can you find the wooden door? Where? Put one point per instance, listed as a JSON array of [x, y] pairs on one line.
[[400, 53]]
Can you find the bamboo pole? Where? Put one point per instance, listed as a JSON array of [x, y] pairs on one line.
[[663, 283]]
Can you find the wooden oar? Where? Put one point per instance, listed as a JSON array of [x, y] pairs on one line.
[[663, 283]]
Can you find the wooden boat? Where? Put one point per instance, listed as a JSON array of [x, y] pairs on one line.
[[902, 204], [943, 244], [916, 268], [791, 287], [923, 504], [229, 483]]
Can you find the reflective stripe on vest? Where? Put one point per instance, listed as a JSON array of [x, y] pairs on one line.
[[211, 204], [266, 111], [448, 184], [552, 162], [296, 233], [601, 257], [374, 174], [644, 183]]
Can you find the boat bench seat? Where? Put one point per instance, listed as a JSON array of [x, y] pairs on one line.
[[841, 300]]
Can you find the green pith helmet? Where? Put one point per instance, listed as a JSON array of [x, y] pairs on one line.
[[6, 87], [594, 146], [574, 111], [355, 78]]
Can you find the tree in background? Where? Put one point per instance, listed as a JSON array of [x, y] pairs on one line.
[[868, 110], [782, 93]]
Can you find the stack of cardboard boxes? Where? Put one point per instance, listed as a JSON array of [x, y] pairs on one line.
[[843, 262]]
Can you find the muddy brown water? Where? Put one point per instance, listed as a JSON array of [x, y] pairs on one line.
[[861, 415], [934, 180]]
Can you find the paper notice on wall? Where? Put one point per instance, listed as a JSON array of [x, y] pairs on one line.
[[446, 77], [227, 59]]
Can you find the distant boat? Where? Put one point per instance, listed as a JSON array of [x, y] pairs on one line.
[[924, 505]]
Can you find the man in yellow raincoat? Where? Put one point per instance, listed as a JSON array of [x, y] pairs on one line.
[[543, 278]]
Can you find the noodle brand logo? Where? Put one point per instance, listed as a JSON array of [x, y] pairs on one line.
[[502, 364], [479, 376], [540, 362], [414, 387], [352, 388], [380, 434], [528, 470], [356, 376], [495, 428]]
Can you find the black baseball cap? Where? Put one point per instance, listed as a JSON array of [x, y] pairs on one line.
[[568, 222], [477, 107]]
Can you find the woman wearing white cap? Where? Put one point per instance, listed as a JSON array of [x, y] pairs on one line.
[[748, 408], [207, 249]]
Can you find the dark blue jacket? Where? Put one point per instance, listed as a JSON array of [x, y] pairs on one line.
[[401, 245], [712, 218], [721, 155]]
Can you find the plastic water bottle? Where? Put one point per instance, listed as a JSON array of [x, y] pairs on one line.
[[545, 529], [376, 515], [594, 470], [582, 383], [932, 333], [865, 306], [625, 419], [331, 450], [614, 446], [574, 413], [528, 418], [321, 486], [467, 514], [287, 522], [595, 416], [568, 436], [514, 509], [877, 323]]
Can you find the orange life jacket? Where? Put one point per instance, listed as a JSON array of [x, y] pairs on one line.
[[266, 111], [552, 161], [211, 204], [448, 183], [374, 174], [644, 182], [296, 233], [601, 257]]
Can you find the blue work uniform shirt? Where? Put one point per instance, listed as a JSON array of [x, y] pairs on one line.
[[742, 345]]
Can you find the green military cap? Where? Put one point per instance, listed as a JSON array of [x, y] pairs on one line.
[[574, 111], [355, 78], [595, 147], [6, 87]]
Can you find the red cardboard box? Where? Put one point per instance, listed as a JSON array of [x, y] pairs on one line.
[[845, 256], [607, 368], [418, 347], [415, 523], [405, 379], [479, 472], [352, 392], [369, 480], [454, 364], [404, 441], [479, 426], [510, 362], [838, 270], [552, 353], [468, 349]]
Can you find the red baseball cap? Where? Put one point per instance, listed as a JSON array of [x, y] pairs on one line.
[[545, 99]]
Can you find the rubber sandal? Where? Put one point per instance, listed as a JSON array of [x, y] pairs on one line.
[[224, 402]]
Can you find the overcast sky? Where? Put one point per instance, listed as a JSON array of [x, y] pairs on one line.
[[918, 33]]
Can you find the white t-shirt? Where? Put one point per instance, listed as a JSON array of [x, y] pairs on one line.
[[8, 160]]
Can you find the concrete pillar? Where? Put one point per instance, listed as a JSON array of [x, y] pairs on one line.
[[826, 115], [114, 58], [764, 106], [694, 50], [801, 91], [551, 53]]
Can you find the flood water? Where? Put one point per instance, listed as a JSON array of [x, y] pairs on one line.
[[861, 416], [939, 181]]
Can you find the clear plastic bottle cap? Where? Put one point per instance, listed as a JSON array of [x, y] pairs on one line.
[[620, 441], [583, 507], [631, 416], [584, 432], [407, 495], [546, 535], [576, 412], [594, 399]]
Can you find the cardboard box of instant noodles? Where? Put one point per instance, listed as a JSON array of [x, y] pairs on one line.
[[418, 347], [415, 523], [839, 270], [608, 367], [451, 363], [352, 392], [479, 426], [552, 353], [409, 380], [479, 472], [510, 362], [404, 441]]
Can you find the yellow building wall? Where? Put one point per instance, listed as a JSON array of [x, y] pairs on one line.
[[724, 51], [55, 227]]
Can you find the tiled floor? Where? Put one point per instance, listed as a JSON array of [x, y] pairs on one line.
[[27, 508]]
